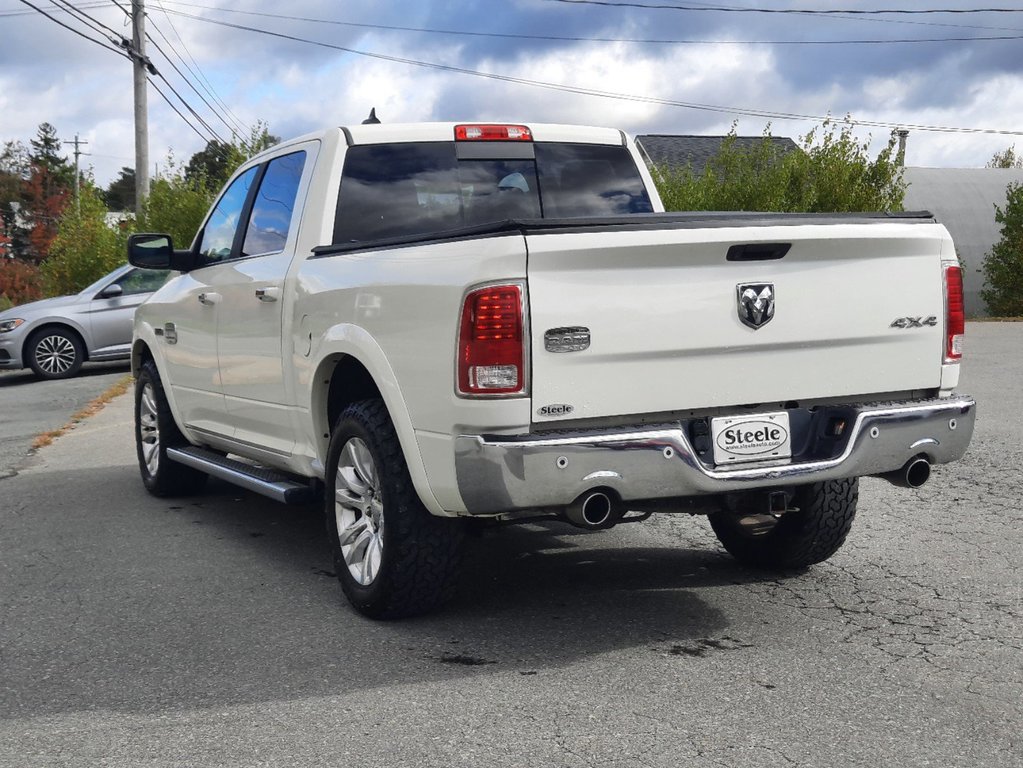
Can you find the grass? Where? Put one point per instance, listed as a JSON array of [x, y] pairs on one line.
[[91, 409]]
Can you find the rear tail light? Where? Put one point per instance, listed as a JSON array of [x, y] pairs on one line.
[[955, 314], [492, 133], [491, 343]]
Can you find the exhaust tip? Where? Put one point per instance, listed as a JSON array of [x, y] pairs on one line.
[[917, 472], [594, 509]]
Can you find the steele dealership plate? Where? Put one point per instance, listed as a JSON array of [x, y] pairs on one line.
[[753, 437]]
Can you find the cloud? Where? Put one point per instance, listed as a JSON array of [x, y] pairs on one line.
[[48, 74]]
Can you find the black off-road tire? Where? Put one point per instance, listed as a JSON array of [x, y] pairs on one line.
[[155, 432], [811, 532], [420, 553], [54, 353]]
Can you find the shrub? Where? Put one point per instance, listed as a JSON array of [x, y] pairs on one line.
[[833, 173], [1003, 265], [19, 283], [84, 248]]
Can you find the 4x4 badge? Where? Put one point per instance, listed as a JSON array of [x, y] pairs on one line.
[[755, 303]]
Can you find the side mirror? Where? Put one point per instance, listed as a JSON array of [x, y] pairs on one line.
[[111, 291], [152, 251]]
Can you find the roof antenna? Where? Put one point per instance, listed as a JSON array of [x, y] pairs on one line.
[[372, 119]]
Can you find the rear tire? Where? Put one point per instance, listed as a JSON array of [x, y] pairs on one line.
[[55, 353], [811, 532], [155, 432], [393, 558]]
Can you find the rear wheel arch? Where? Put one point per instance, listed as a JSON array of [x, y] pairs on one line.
[[344, 378]]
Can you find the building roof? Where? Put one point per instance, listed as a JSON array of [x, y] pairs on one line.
[[964, 200], [696, 151]]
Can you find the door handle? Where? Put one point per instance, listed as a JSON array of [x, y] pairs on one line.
[[268, 294], [209, 299]]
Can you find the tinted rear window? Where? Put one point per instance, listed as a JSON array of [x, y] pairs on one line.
[[396, 190]]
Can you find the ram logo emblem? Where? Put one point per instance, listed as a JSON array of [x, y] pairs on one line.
[[755, 303]]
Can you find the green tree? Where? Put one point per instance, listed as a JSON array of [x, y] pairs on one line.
[[176, 205], [45, 154], [120, 195], [179, 200], [218, 160], [84, 247], [833, 172], [15, 169], [1007, 158], [1003, 265]]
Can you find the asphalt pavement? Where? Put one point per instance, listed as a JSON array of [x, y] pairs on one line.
[[30, 406], [209, 631]]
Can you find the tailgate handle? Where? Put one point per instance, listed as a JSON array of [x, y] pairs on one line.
[[758, 251]]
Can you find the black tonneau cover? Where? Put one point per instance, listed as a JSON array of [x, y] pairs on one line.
[[631, 222]]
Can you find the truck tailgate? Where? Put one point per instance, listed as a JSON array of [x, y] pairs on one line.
[[663, 311]]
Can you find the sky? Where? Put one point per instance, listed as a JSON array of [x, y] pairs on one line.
[[645, 66]]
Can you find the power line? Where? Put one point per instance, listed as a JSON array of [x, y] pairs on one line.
[[171, 105], [769, 114], [831, 14], [197, 72], [800, 11], [83, 6], [96, 24], [72, 29], [184, 77], [581, 39]]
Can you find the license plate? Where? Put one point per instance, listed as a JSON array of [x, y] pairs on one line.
[[754, 437]]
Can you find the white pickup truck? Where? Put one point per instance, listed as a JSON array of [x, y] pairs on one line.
[[434, 323]]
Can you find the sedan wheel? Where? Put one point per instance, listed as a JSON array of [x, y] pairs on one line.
[[55, 354]]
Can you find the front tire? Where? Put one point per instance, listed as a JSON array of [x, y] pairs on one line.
[[811, 531], [393, 558], [55, 353], [155, 431]]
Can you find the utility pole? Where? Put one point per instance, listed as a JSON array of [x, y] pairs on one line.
[[78, 153], [900, 158], [140, 65]]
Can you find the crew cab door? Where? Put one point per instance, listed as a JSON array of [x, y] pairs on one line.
[[187, 313], [252, 294]]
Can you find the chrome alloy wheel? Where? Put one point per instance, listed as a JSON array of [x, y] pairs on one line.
[[55, 354], [359, 509], [149, 429]]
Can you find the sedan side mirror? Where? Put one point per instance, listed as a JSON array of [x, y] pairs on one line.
[[111, 291], [154, 251]]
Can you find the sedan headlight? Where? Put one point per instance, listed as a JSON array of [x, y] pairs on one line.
[[6, 326]]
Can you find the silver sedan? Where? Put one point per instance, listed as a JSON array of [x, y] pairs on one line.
[[54, 337]]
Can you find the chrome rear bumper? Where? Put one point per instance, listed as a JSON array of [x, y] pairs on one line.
[[504, 473]]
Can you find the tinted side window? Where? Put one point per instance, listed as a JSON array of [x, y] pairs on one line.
[[274, 205], [218, 237], [589, 180], [383, 184]]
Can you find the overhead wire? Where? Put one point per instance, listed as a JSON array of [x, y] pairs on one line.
[[120, 52], [198, 72], [587, 39], [188, 82], [81, 34], [171, 105], [837, 14], [751, 112]]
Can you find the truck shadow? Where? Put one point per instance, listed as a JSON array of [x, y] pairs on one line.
[[227, 598]]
